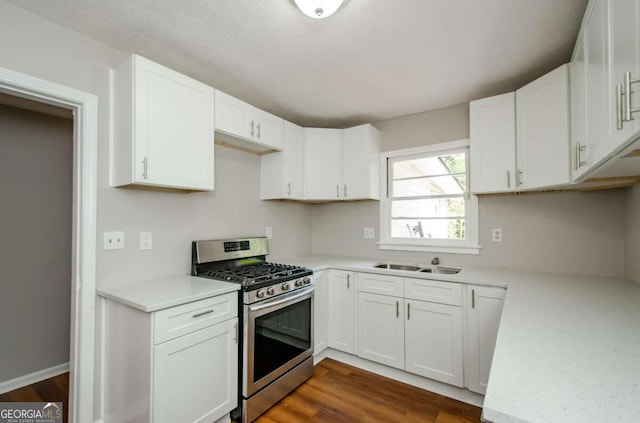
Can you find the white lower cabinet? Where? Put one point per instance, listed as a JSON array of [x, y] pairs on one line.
[[421, 337], [381, 329], [483, 319], [177, 365], [342, 311], [320, 311], [433, 346]]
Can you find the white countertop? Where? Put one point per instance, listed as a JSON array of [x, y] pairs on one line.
[[158, 294], [568, 348]]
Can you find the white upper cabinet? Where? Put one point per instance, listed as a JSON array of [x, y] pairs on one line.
[[342, 164], [609, 45], [281, 173], [163, 128], [243, 125], [493, 144], [323, 164], [542, 131], [361, 162], [579, 140], [521, 141]]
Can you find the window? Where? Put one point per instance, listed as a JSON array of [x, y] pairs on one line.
[[426, 205]]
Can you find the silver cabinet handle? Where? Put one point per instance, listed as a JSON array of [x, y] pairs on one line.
[[338, 191], [144, 167], [397, 308], [518, 177], [508, 179], [473, 298], [258, 127], [579, 149], [202, 313], [237, 334], [345, 190], [627, 96], [289, 190], [408, 311], [619, 105], [576, 164], [348, 281], [252, 125]]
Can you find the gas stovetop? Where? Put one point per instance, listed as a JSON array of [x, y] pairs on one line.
[[244, 261], [257, 275]]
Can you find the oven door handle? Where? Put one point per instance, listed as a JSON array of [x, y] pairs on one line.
[[304, 292]]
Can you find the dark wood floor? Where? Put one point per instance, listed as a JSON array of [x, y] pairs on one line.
[[55, 389], [338, 392]]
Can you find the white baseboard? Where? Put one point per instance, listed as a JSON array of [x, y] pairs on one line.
[[454, 392], [34, 377]]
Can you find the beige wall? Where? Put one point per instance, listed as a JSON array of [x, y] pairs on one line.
[[632, 235], [36, 153], [563, 232], [54, 53], [448, 124]]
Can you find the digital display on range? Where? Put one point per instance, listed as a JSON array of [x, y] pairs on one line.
[[230, 246]]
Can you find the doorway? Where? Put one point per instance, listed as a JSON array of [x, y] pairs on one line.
[[84, 107]]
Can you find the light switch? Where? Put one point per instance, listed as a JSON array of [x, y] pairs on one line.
[[113, 240], [369, 233]]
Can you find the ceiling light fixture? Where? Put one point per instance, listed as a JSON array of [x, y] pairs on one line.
[[319, 9]]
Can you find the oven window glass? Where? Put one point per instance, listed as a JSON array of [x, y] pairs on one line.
[[281, 336]]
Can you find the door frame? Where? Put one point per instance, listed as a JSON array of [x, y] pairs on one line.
[[84, 227]]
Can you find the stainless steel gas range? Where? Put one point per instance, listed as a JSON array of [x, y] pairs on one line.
[[276, 307]]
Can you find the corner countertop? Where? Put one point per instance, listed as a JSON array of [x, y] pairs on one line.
[[158, 294], [568, 347]]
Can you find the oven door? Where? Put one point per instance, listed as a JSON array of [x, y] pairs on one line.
[[278, 335]]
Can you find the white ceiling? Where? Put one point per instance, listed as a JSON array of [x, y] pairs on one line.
[[372, 60]]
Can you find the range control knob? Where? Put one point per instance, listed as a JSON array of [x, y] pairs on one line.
[[285, 286], [306, 281], [299, 283], [260, 293], [270, 291]]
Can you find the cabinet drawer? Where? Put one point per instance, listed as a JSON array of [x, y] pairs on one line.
[[434, 291], [381, 284], [181, 320]]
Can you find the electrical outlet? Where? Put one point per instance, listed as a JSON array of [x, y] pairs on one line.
[[268, 232], [113, 240], [496, 234], [146, 240], [369, 233]]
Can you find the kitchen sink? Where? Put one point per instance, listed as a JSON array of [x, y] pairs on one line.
[[397, 267], [438, 269], [441, 270]]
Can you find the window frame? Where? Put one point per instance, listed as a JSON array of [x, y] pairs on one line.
[[468, 246]]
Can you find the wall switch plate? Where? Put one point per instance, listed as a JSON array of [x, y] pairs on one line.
[[369, 233], [496, 234], [146, 240], [268, 232], [113, 240]]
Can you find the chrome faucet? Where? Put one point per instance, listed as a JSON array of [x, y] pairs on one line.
[[435, 261]]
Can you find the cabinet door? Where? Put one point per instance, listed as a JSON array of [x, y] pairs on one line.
[[342, 311], [483, 320], [597, 57], [196, 375], [281, 175], [174, 125], [542, 123], [268, 129], [381, 329], [361, 161], [433, 341], [493, 144], [623, 24], [320, 311], [579, 139], [232, 116], [323, 164]]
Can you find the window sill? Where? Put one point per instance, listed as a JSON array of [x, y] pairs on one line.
[[396, 246]]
